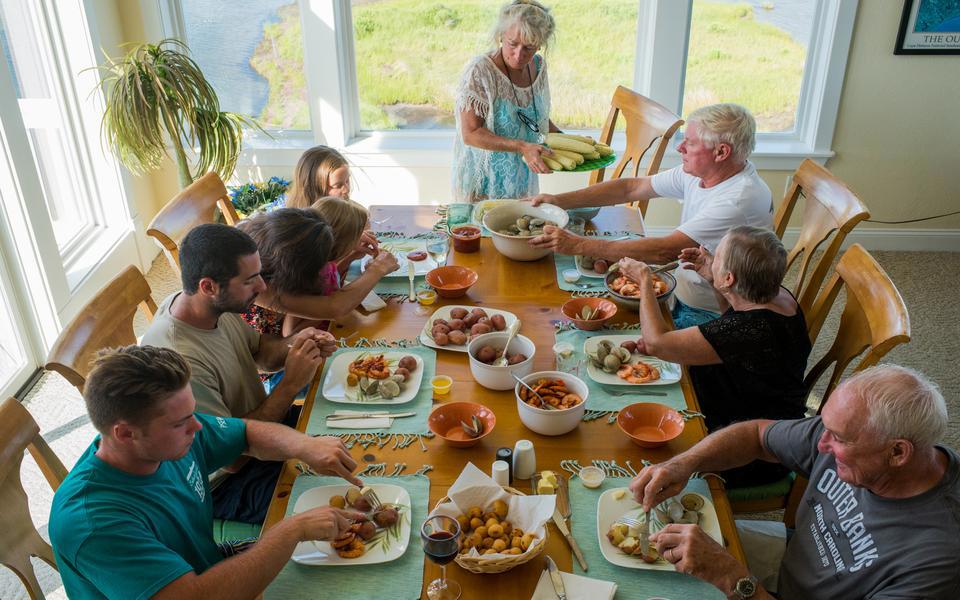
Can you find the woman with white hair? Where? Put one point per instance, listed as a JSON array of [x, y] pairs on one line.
[[749, 362], [502, 106]]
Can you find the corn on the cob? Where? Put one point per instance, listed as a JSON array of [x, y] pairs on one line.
[[567, 162], [558, 142], [580, 138], [554, 165], [576, 156]]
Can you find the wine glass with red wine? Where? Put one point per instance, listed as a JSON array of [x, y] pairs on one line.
[[441, 542]]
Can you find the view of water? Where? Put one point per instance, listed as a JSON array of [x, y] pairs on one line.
[[224, 52], [793, 16]]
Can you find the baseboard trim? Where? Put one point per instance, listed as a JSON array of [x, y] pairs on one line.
[[903, 240]]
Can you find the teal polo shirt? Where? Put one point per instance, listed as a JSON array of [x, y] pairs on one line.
[[117, 535]]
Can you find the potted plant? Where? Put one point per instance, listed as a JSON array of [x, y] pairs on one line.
[[157, 97], [263, 195]]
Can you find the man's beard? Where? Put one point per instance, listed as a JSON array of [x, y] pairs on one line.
[[223, 304]]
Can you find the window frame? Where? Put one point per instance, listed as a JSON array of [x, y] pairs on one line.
[[662, 39]]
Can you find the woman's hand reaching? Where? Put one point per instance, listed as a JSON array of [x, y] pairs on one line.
[[699, 260], [532, 155]]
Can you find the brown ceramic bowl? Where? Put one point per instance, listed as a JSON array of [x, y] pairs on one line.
[[452, 281], [650, 425], [603, 312], [445, 420]]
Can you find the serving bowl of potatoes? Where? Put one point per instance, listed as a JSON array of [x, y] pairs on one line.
[[485, 349]]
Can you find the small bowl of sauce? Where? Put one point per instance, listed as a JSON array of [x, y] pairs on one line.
[[466, 238], [426, 297]]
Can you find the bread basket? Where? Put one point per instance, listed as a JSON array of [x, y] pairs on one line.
[[499, 563]]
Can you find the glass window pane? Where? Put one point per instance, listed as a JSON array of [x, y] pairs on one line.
[[57, 174], [752, 53], [256, 64], [410, 56], [12, 355]]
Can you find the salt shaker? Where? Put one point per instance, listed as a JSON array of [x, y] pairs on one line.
[[524, 460], [501, 473]]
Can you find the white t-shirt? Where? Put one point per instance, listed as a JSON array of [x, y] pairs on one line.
[[707, 215]]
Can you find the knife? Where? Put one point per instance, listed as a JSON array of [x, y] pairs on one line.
[[564, 510], [411, 273], [371, 415], [556, 579], [645, 534]]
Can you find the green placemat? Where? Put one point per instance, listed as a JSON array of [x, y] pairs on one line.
[[421, 404], [395, 285], [638, 584], [585, 284], [596, 163], [401, 578], [600, 400]]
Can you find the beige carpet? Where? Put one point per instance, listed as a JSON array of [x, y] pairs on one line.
[[929, 283]]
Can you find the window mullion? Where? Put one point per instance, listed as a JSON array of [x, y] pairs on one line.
[[327, 82], [663, 32]]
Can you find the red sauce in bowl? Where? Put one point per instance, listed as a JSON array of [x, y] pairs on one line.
[[466, 238]]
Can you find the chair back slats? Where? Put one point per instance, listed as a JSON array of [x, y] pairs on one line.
[[649, 127], [830, 209], [105, 322], [874, 318], [19, 539], [196, 204]]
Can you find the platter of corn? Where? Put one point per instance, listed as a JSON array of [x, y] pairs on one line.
[[577, 153]]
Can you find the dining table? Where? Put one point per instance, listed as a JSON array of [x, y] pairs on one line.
[[530, 291]]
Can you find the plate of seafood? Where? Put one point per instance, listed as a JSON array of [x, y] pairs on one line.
[[627, 291], [589, 266], [452, 327], [412, 251], [366, 377], [620, 523], [381, 536], [614, 360]]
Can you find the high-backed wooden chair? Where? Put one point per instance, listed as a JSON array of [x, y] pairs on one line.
[[19, 539], [874, 320], [830, 209], [106, 321], [649, 127], [195, 205]]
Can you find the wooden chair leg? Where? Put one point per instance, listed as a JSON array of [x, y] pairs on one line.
[[793, 502]]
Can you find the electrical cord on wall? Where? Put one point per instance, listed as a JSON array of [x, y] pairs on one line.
[[949, 214]]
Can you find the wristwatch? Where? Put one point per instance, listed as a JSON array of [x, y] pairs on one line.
[[745, 588]]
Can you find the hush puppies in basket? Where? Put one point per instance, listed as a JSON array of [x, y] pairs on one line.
[[491, 533]]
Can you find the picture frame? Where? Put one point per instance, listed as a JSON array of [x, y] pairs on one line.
[[929, 27]]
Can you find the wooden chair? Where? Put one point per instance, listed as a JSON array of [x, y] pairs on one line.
[[874, 320], [830, 209], [106, 321], [649, 126], [195, 205], [19, 539]]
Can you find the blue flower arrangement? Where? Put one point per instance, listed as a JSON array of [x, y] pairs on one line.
[[263, 195]]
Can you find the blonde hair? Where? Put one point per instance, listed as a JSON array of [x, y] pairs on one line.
[[312, 174], [534, 20], [901, 403], [727, 123], [346, 218]]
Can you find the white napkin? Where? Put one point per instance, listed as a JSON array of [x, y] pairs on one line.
[[372, 302], [359, 423], [576, 586]]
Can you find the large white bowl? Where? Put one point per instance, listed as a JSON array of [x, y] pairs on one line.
[[552, 422], [498, 378], [516, 247]]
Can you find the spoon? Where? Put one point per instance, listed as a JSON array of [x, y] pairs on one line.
[[511, 333], [543, 403]]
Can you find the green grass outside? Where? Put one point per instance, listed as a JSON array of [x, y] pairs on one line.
[[412, 53]]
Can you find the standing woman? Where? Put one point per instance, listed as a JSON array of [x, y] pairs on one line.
[[502, 106]]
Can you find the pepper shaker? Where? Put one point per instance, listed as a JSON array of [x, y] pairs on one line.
[[524, 460], [506, 455]]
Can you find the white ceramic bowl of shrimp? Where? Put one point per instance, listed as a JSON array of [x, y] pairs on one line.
[[552, 422]]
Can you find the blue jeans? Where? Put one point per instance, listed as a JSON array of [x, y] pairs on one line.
[[687, 316]]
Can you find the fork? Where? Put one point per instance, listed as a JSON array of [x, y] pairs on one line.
[[638, 393], [372, 498]]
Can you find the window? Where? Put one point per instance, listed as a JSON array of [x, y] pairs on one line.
[[256, 63]]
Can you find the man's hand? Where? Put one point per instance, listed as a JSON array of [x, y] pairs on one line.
[[302, 360], [699, 260], [325, 523], [657, 483], [695, 553], [383, 263], [544, 199], [559, 240], [329, 455]]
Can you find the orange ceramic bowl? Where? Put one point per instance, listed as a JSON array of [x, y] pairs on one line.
[[650, 425], [452, 281], [445, 420], [603, 312]]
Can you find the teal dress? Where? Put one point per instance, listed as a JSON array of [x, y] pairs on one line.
[[484, 89]]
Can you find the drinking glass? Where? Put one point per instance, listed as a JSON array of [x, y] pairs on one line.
[[438, 248], [577, 225], [441, 542]]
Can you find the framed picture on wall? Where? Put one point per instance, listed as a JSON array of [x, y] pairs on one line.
[[929, 27]]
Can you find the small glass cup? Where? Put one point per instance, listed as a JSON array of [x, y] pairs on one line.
[[565, 358], [438, 248], [441, 543], [576, 225]]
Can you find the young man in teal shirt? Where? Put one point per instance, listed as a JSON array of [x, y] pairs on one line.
[[134, 517]]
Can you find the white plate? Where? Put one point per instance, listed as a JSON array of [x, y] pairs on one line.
[[444, 313], [610, 511], [335, 388], [400, 250], [669, 372], [587, 272], [322, 554]]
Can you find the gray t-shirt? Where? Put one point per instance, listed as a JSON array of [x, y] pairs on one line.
[[224, 377], [850, 543]]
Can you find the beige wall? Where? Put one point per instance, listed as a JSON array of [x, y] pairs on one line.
[[896, 141]]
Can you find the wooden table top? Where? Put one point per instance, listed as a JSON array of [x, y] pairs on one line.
[[528, 290]]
